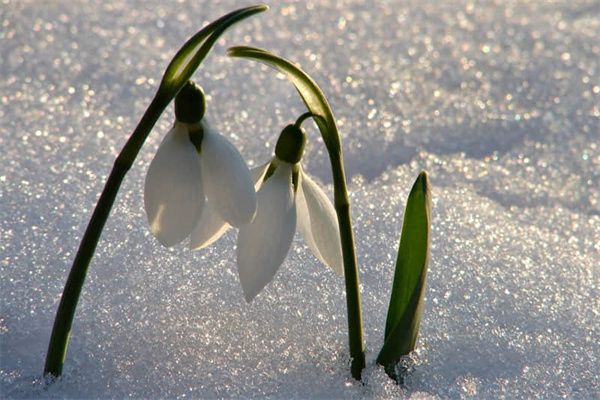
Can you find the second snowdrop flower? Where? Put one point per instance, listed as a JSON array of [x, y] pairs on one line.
[[196, 174], [288, 199]]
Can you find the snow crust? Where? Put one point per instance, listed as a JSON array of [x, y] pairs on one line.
[[498, 100]]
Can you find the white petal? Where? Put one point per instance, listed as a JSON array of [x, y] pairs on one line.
[[264, 243], [258, 173], [173, 195], [211, 226], [227, 180], [318, 224]]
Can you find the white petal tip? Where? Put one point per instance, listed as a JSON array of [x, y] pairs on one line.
[[208, 230], [196, 247], [247, 212]]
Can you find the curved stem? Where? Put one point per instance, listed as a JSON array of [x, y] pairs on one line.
[[319, 107], [61, 330], [342, 209], [303, 118], [179, 71]]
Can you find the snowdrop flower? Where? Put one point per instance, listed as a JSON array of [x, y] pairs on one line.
[[195, 175], [288, 198]]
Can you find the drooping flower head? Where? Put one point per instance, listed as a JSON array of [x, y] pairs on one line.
[[288, 199], [196, 175]]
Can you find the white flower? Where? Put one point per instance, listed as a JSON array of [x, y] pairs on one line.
[[287, 199], [186, 186], [211, 226]]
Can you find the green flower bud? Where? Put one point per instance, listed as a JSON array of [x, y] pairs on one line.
[[290, 145], [190, 104]]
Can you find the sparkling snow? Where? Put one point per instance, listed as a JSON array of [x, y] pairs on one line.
[[498, 100]]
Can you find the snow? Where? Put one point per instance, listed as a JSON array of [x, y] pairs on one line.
[[497, 100]]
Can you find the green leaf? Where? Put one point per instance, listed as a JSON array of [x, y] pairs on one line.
[[406, 301], [191, 54], [309, 91]]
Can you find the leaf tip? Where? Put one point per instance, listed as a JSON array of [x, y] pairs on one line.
[[262, 7], [239, 51], [422, 184], [231, 52], [423, 179]]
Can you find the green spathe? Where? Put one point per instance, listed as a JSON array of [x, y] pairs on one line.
[[406, 301], [191, 54]]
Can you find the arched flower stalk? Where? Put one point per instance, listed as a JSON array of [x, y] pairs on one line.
[[177, 74], [317, 104]]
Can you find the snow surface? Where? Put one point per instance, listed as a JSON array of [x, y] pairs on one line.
[[498, 100]]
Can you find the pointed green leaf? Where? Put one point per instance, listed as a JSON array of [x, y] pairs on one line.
[[309, 91], [406, 302], [191, 54]]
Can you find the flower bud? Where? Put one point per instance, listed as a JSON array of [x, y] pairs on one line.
[[290, 145], [190, 104]]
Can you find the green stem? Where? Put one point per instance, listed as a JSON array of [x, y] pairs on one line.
[[342, 208], [317, 104], [57, 349], [178, 73], [303, 118]]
